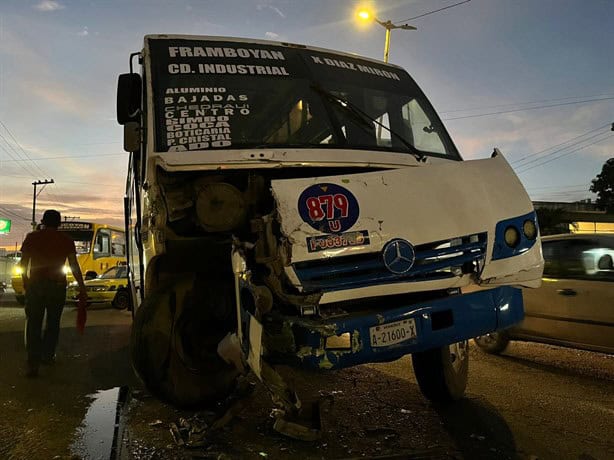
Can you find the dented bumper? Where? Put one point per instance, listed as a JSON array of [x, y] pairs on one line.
[[436, 323]]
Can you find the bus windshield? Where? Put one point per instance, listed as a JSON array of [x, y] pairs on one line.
[[235, 95], [82, 239]]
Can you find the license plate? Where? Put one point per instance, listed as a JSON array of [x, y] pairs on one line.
[[388, 334]]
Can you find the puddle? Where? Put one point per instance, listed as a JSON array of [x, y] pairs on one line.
[[97, 435]]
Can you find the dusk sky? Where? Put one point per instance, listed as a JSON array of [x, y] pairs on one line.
[[534, 78]]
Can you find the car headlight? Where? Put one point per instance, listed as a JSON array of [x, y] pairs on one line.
[[17, 270], [66, 270], [511, 236], [529, 229]]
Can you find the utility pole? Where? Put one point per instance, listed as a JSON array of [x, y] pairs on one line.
[[35, 183]]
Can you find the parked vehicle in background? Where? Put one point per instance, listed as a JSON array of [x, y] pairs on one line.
[[99, 247], [110, 287], [302, 206], [574, 307]]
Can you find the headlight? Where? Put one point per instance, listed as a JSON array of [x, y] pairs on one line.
[[66, 270], [529, 229], [17, 270], [515, 236], [511, 236]]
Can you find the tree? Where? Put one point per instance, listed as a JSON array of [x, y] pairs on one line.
[[603, 186]]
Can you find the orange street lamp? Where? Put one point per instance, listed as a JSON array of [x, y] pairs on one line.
[[388, 25]]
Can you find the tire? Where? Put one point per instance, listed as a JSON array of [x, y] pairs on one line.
[[21, 299], [121, 301], [493, 343], [174, 342], [442, 372]]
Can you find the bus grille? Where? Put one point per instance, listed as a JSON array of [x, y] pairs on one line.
[[437, 260]]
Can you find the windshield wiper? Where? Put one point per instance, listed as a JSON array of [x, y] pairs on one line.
[[364, 118]]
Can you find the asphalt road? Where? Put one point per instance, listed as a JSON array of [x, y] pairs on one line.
[[534, 402]]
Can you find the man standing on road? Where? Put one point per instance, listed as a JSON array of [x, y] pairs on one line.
[[43, 255]]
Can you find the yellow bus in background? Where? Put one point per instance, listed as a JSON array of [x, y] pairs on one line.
[[99, 247]]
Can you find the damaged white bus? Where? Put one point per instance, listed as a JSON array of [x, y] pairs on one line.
[[300, 206]]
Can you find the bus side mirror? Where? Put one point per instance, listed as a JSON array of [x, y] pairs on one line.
[[132, 136], [128, 98]]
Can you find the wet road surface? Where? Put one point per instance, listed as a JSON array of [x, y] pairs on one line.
[[535, 401]]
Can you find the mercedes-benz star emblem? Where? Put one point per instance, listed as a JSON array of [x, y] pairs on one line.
[[399, 256]]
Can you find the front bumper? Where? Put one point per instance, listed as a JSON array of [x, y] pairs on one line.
[[72, 296], [438, 323]]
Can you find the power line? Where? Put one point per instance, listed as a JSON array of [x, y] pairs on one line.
[[70, 156], [118, 185], [562, 149], [558, 187], [434, 11], [25, 154], [557, 145], [14, 214], [528, 108], [471, 109], [559, 150], [25, 167], [564, 155]]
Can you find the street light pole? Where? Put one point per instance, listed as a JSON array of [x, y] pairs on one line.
[[35, 183], [366, 15], [388, 25]]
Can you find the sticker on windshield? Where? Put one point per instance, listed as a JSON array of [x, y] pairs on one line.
[[328, 208], [343, 240], [200, 118]]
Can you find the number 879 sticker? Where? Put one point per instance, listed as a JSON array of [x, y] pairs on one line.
[[328, 208]]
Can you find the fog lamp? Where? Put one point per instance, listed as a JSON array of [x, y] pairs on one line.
[[529, 229], [512, 236]]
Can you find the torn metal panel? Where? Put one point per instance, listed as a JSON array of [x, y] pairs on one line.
[[254, 356], [430, 203]]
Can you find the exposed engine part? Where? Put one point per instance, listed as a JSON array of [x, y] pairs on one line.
[[220, 207], [266, 245], [178, 203]]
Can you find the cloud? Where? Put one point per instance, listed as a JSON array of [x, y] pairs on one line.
[[272, 36], [271, 7], [84, 32], [49, 5], [61, 99]]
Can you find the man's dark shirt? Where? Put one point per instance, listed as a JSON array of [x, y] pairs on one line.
[[47, 250]]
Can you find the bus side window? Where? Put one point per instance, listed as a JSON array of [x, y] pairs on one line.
[[118, 244], [103, 242]]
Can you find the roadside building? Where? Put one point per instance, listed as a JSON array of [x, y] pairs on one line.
[[579, 217]]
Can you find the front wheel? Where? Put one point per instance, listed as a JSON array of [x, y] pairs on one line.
[[493, 343], [121, 301], [442, 372], [174, 342]]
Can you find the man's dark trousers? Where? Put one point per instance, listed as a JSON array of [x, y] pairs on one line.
[[40, 296]]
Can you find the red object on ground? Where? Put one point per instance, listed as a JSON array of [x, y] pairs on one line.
[[81, 315]]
